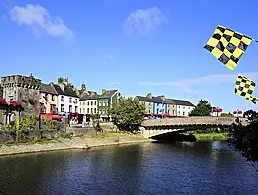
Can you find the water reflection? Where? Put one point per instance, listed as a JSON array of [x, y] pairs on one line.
[[177, 168]]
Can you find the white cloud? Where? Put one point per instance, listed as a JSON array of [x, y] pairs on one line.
[[38, 17], [216, 79], [143, 21]]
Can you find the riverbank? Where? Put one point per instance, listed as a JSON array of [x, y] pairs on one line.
[[85, 142], [210, 136]]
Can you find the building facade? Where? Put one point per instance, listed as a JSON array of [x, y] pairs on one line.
[[23, 89], [162, 105], [48, 99], [183, 108], [105, 101], [89, 104], [68, 101], [154, 105]]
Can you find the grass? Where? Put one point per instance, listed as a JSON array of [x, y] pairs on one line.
[[210, 136]]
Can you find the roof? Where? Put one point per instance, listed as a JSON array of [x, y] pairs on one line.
[[107, 94], [45, 88], [183, 103], [67, 91], [147, 99], [89, 97], [168, 101]]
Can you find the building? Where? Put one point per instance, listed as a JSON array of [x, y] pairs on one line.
[[48, 98], [1, 91], [154, 105], [162, 105], [105, 101], [183, 108], [68, 101], [171, 107], [89, 104], [23, 89]]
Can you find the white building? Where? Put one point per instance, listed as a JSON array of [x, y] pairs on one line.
[[183, 108], [68, 101], [89, 104]]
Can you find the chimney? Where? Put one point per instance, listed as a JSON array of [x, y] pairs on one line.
[[149, 95], [103, 91]]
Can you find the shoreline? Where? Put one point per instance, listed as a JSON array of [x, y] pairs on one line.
[[75, 143]]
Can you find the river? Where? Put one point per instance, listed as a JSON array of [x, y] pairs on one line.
[[149, 168]]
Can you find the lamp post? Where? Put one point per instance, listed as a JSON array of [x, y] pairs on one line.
[[237, 112], [217, 110]]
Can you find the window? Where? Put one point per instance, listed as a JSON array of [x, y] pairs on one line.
[[103, 111], [62, 107], [179, 112], [99, 103], [149, 112], [95, 103], [91, 110], [91, 102], [70, 108], [183, 113], [76, 108], [157, 111], [173, 112], [53, 98], [83, 110], [80, 110], [178, 106], [70, 100], [84, 103], [189, 107], [88, 103], [107, 103], [88, 110], [103, 103], [183, 107], [80, 103], [95, 110], [62, 99], [168, 111]]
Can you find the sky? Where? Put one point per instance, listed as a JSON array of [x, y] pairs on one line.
[[136, 46]]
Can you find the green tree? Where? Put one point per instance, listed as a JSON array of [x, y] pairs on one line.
[[202, 109], [60, 80], [226, 114], [244, 138], [127, 113]]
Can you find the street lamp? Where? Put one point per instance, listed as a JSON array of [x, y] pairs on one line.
[[237, 112], [217, 110]]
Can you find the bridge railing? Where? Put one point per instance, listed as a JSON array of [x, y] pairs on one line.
[[203, 120]]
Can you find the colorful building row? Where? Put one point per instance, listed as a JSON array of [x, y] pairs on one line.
[[163, 105], [61, 98]]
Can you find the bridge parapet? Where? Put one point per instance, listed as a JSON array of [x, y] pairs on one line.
[[202, 120]]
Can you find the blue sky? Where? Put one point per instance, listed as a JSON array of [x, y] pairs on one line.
[[137, 46]]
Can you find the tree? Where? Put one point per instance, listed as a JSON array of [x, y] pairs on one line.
[[244, 138], [202, 109], [127, 113], [60, 80], [226, 114]]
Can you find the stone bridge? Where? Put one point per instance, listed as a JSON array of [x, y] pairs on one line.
[[154, 127]]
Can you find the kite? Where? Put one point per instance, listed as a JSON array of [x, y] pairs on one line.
[[245, 87], [228, 46]]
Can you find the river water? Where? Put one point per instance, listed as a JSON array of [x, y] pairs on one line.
[[149, 168]]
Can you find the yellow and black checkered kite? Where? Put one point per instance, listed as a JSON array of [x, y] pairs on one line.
[[228, 46], [245, 87]]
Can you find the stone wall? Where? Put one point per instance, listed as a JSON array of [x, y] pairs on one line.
[[31, 133], [29, 99]]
